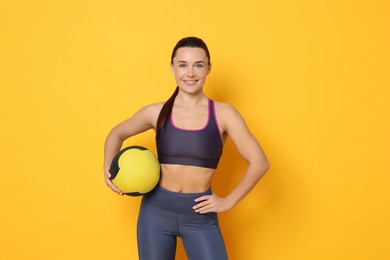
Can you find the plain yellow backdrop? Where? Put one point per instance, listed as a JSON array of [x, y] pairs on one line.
[[311, 78]]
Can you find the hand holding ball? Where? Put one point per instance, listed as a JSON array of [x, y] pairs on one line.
[[135, 170]]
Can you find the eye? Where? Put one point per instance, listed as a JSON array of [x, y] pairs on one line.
[[182, 65], [199, 66]]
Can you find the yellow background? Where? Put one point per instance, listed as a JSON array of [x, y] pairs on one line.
[[311, 79]]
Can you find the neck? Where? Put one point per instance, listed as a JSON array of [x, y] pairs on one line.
[[186, 100]]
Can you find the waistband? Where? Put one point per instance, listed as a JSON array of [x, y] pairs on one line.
[[176, 202]]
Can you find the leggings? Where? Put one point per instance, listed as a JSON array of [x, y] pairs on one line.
[[165, 215]]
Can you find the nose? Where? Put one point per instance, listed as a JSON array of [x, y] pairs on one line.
[[191, 73]]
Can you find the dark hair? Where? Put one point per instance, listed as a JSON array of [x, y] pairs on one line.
[[189, 42]]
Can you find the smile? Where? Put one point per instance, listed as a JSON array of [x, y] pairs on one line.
[[190, 82]]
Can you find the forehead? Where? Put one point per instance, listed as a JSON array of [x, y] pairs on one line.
[[190, 54]]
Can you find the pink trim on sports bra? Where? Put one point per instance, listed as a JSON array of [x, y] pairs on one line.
[[195, 130]]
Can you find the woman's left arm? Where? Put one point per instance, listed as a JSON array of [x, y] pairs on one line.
[[232, 124]]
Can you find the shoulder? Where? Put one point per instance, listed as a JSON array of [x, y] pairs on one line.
[[227, 116], [152, 108], [225, 110], [149, 113]]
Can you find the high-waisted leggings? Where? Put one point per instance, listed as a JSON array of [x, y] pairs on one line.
[[165, 215]]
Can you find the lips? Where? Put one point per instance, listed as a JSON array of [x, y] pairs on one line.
[[190, 82]]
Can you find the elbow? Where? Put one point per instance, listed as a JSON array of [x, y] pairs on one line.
[[263, 167], [259, 168], [266, 165], [116, 134]]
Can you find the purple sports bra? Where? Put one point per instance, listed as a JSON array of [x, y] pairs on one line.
[[201, 147]]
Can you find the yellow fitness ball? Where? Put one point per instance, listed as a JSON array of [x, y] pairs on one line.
[[135, 170]]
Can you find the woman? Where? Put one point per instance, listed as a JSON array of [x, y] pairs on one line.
[[190, 132]]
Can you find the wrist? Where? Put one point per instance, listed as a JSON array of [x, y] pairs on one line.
[[229, 202], [106, 167]]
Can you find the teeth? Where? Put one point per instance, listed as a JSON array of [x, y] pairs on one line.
[[190, 81]]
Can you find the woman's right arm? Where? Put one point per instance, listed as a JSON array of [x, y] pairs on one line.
[[142, 120]]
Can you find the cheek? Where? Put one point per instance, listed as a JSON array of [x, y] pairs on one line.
[[179, 75], [176, 73], [203, 73]]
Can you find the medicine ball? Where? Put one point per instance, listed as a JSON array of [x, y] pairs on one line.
[[135, 170]]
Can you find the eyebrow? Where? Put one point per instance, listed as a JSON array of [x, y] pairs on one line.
[[183, 61]]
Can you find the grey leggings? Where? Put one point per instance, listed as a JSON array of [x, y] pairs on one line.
[[165, 215]]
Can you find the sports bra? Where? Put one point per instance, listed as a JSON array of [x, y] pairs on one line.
[[201, 147]]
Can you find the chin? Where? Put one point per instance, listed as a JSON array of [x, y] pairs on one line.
[[192, 90]]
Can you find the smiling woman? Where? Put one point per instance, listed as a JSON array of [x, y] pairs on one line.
[[191, 130], [190, 67]]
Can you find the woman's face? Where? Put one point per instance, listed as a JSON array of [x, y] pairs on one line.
[[190, 67]]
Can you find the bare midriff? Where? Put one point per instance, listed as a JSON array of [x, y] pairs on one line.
[[185, 179]]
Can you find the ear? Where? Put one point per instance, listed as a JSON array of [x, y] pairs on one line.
[[171, 67], [209, 70]]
